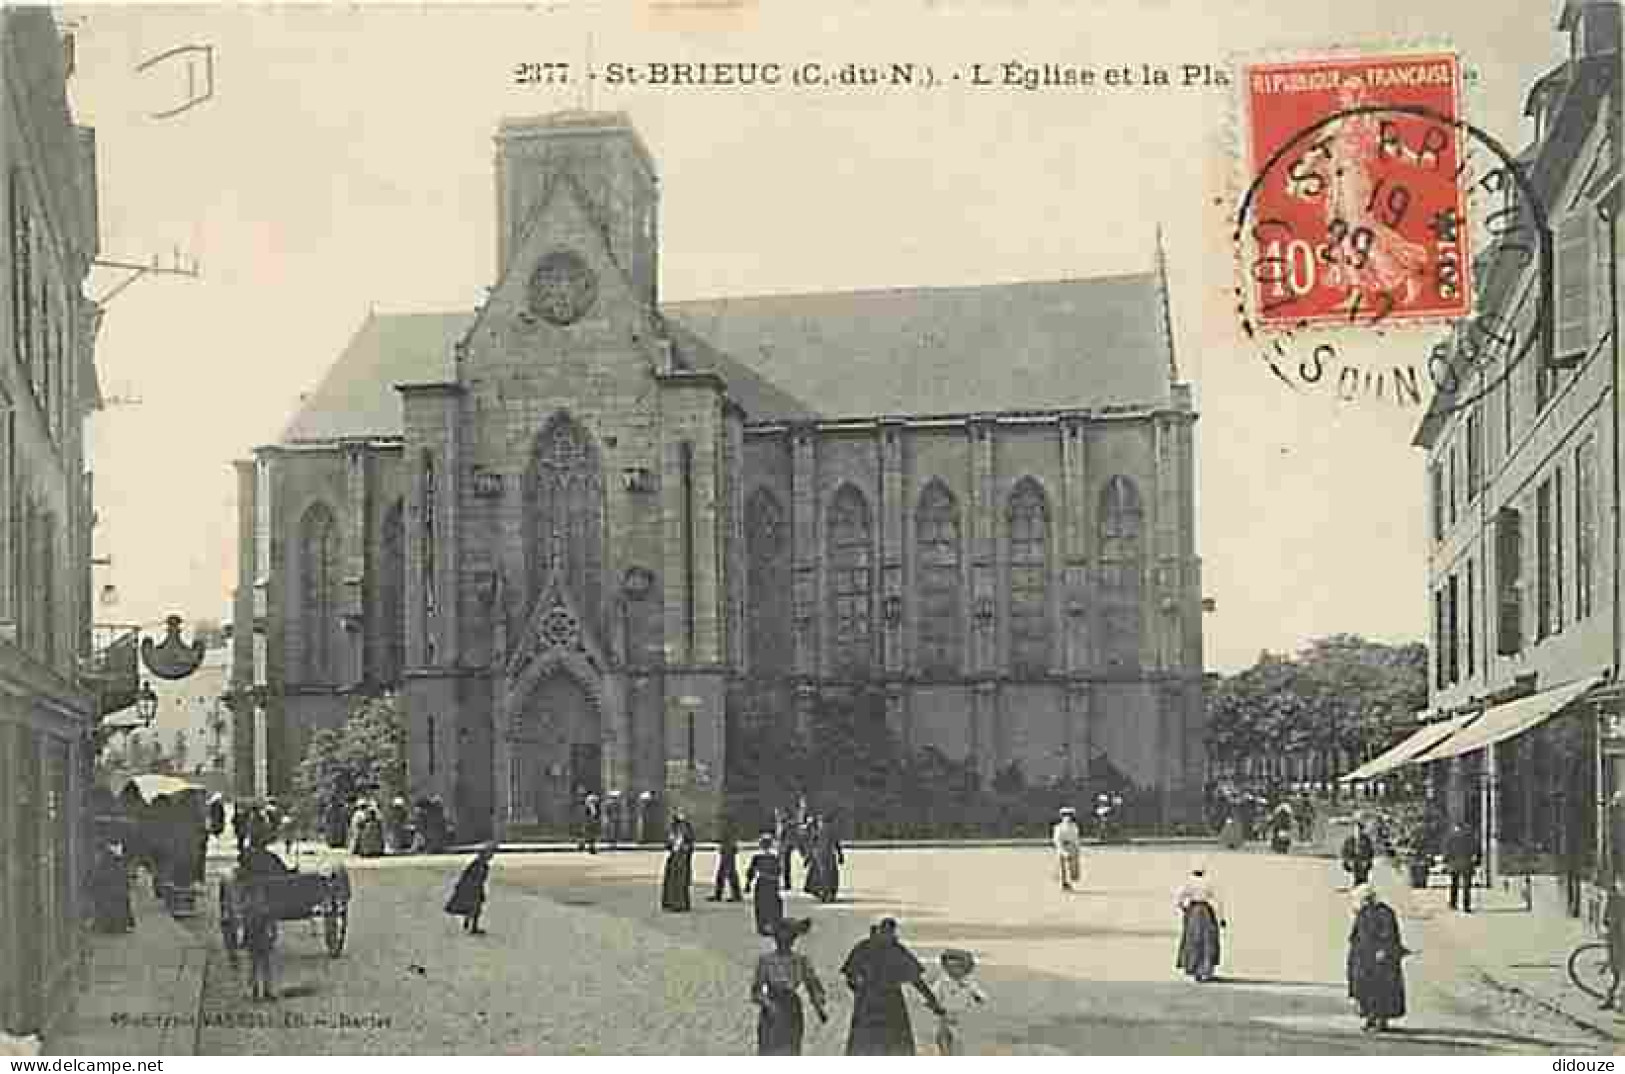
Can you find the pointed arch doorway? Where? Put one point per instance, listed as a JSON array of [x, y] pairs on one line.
[[557, 750]]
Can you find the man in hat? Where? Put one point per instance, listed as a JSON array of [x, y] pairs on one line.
[[1068, 840], [1461, 858]]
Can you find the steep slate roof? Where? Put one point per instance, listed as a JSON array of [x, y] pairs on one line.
[[358, 396], [761, 399], [949, 350]]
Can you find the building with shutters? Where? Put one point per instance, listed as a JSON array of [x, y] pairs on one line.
[[572, 525], [47, 387], [1524, 499]]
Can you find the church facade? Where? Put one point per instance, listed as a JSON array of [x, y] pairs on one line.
[[567, 526]]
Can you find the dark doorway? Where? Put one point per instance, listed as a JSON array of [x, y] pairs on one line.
[[557, 755], [587, 768]]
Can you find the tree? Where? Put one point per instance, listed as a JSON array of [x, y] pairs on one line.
[[210, 632], [366, 755], [1341, 696]]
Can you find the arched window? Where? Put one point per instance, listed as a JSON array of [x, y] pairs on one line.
[[391, 594], [319, 577], [1030, 642], [938, 580], [851, 582], [1121, 567], [767, 545], [564, 516]]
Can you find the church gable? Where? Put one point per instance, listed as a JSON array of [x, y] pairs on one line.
[[562, 294]]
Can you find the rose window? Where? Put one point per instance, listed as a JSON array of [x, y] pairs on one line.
[[559, 627], [562, 288]]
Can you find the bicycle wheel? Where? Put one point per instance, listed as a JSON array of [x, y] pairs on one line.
[[1592, 969]]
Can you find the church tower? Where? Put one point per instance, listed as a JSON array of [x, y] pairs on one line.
[[602, 155]]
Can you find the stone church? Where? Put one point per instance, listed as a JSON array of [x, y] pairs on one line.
[[565, 525]]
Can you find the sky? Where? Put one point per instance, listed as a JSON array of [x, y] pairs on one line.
[[344, 165]]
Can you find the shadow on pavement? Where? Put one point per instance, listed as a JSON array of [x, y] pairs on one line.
[[1273, 983], [989, 931], [1468, 1038]]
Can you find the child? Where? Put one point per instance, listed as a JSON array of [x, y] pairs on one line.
[[259, 936], [957, 990]]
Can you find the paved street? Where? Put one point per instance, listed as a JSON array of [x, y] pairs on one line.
[[579, 959]]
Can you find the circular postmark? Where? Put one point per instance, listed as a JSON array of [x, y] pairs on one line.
[[1376, 215]]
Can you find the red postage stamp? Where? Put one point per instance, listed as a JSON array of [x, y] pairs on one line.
[[1355, 209]]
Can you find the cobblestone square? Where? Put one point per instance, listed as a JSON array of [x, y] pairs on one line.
[[579, 959]]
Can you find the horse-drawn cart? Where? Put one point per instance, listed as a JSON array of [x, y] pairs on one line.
[[292, 896]]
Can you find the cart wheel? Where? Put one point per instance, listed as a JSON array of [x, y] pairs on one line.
[[335, 923]]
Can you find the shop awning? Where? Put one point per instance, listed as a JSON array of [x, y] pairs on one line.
[[1510, 720], [1418, 743]]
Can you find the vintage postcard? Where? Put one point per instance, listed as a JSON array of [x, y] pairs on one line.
[[736, 528]]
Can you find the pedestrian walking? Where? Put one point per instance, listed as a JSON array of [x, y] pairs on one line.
[[110, 890], [784, 838], [679, 874], [1282, 825], [813, 884], [1068, 840], [1305, 814], [1358, 852], [825, 861], [958, 991], [259, 937], [612, 819], [762, 881], [876, 970], [1461, 859], [256, 914], [1376, 949], [727, 865], [781, 974], [468, 896], [1202, 919], [399, 825], [242, 824], [217, 814], [587, 822]]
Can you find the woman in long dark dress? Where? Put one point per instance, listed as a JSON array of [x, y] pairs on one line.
[[823, 860], [1201, 919], [876, 971], [468, 897], [110, 891], [762, 884], [811, 833], [827, 852], [679, 875], [1376, 978], [780, 976]]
